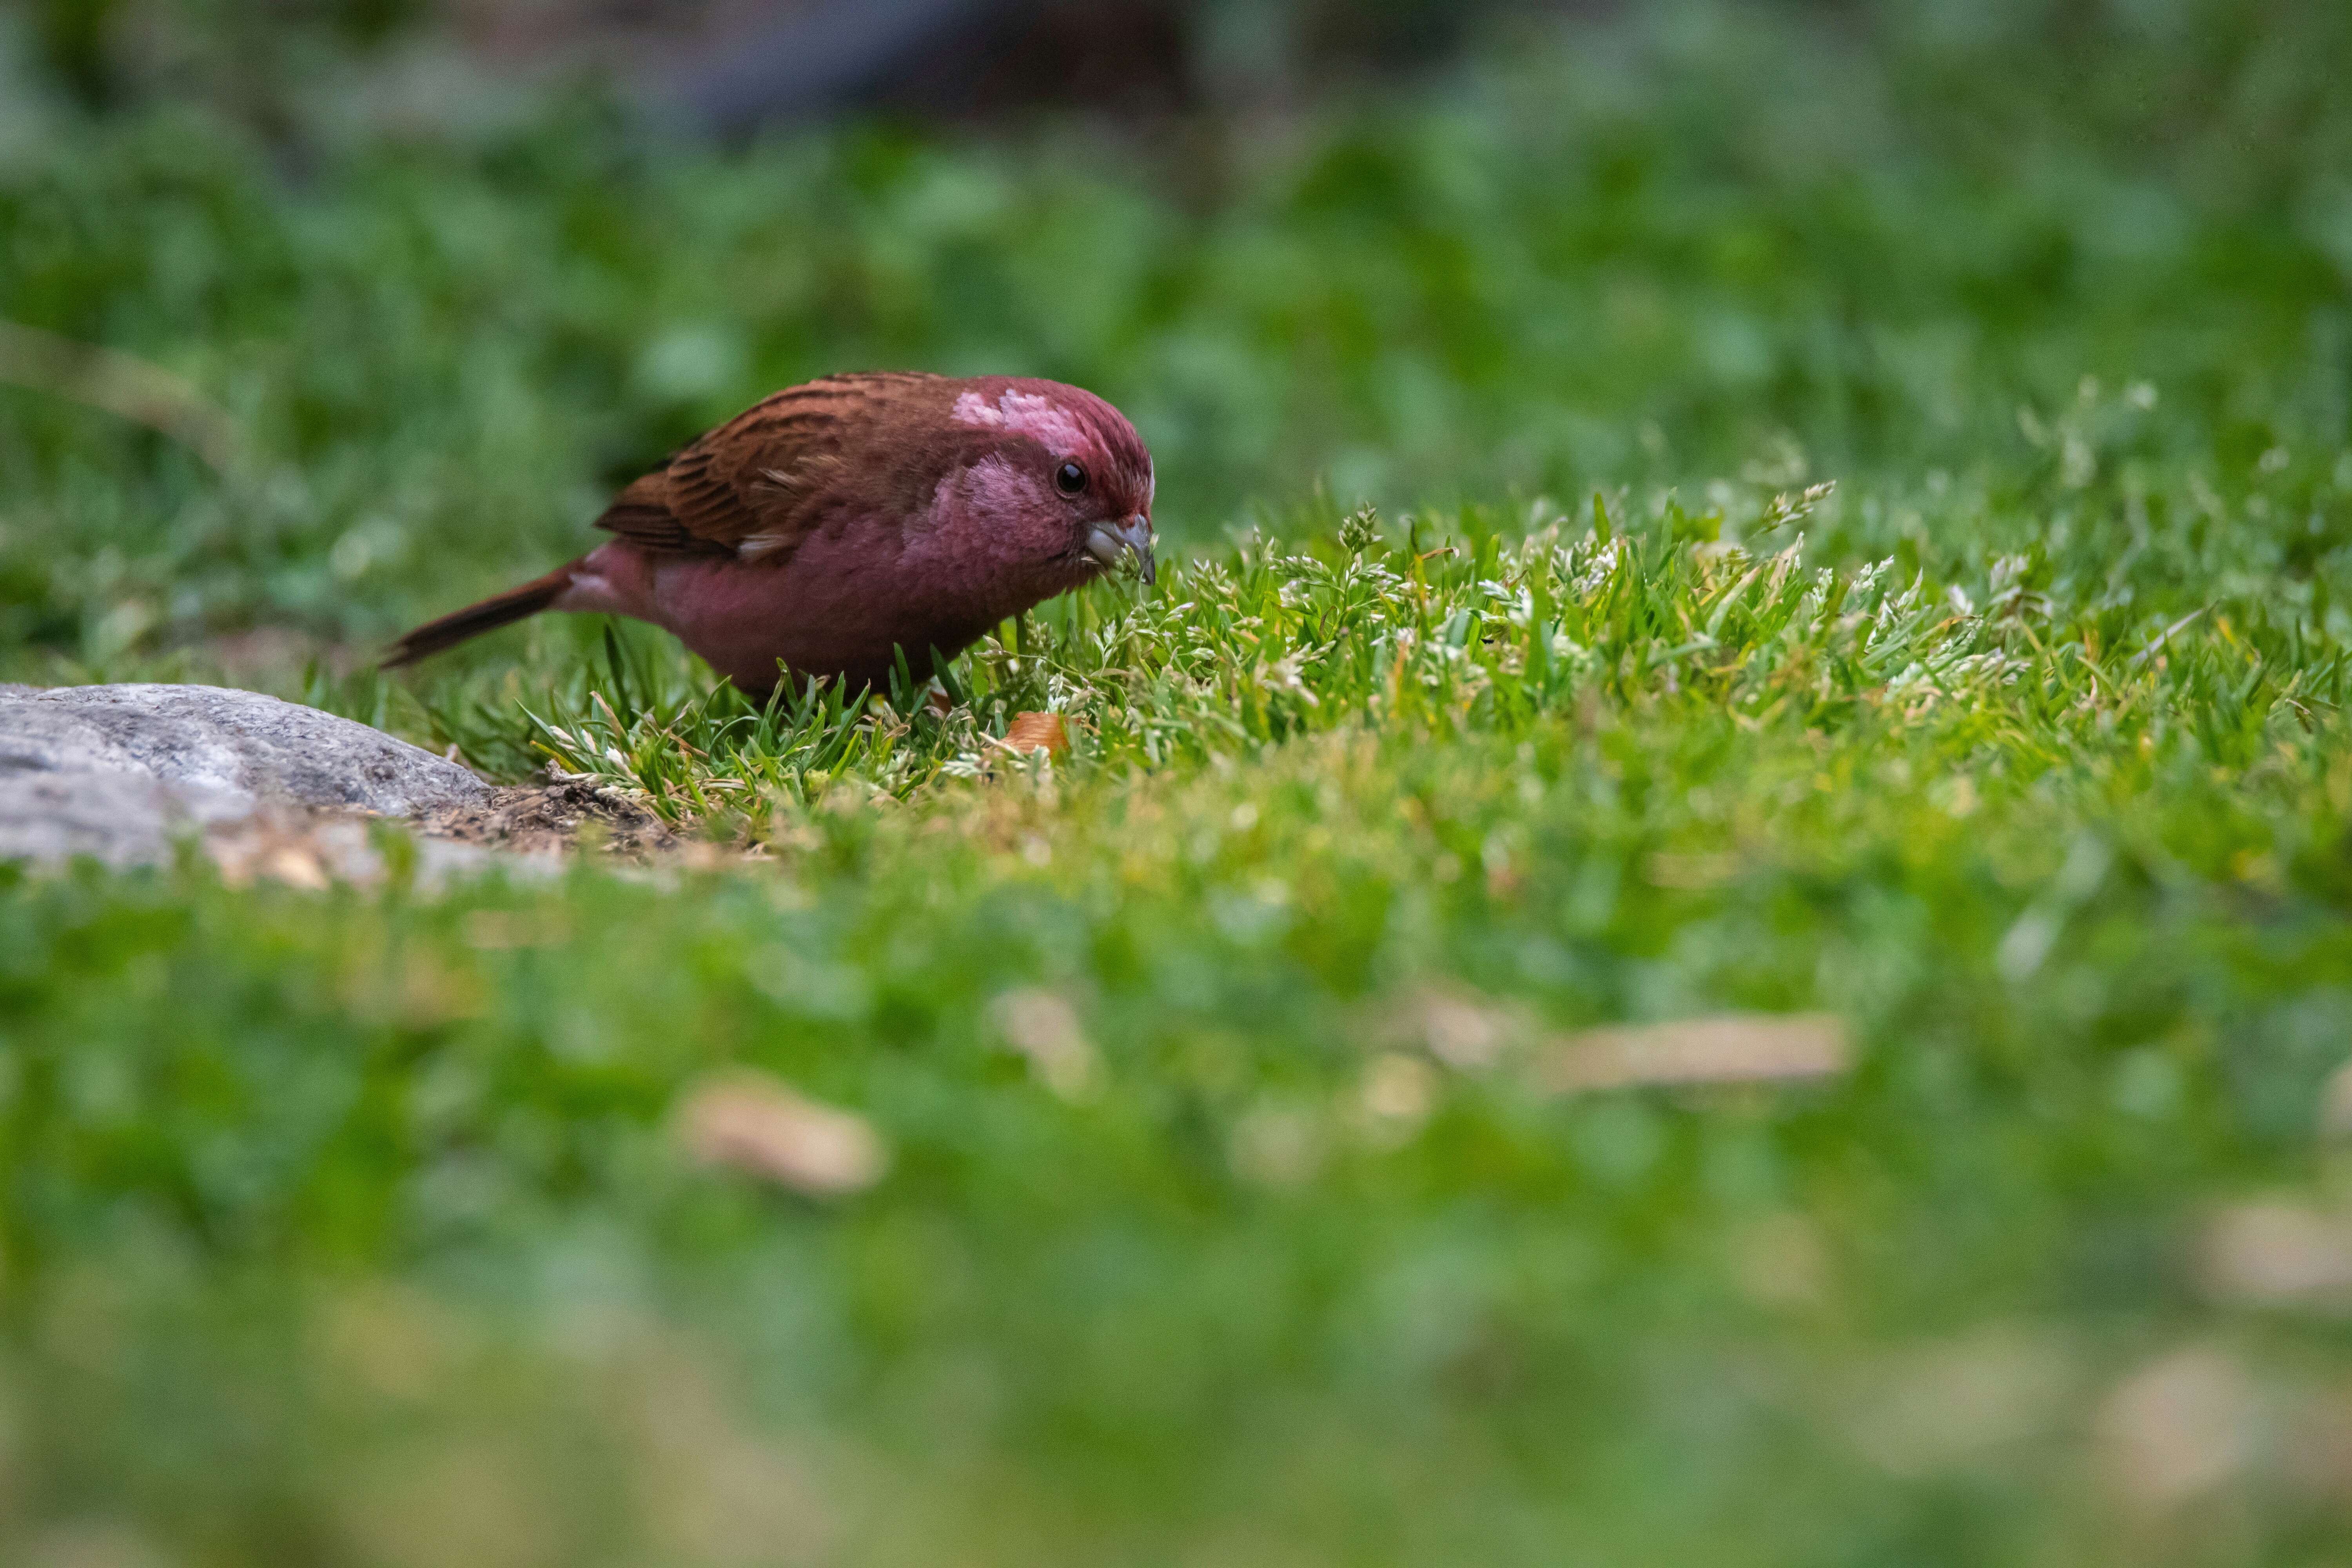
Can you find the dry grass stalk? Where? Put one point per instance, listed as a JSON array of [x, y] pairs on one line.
[[751, 1122], [2176, 1428], [2277, 1254], [124, 385], [1731, 1048], [1045, 1028]]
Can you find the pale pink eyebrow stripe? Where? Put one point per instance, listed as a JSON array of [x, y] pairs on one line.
[[1030, 414]]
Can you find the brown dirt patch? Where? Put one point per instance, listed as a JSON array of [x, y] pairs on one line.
[[537, 818]]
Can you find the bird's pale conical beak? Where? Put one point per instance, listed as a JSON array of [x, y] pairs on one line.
[[1109, 543]]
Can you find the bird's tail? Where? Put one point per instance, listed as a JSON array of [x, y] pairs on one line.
[[501, 609]]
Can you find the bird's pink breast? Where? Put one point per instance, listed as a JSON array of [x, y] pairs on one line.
[[839, 605], [836, 606]]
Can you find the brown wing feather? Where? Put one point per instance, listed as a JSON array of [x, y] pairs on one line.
[[756, 485]]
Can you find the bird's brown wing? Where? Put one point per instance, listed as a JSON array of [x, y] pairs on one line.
[[751, 488]]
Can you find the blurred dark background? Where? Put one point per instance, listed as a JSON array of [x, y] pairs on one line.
[[732, 65]]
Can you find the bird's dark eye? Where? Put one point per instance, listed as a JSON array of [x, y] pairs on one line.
[[1071, 477]]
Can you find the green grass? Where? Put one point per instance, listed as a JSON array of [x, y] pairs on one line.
[[353, 1227]]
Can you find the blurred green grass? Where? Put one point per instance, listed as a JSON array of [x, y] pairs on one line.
[[350, 1226]]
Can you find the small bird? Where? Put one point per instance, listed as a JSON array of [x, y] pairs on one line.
[[832, 525]]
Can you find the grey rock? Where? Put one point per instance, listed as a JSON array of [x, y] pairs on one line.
[[117, 772], [121, 819], [241, 743]]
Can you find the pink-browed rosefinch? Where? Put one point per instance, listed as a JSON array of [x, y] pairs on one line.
[[832, 525]]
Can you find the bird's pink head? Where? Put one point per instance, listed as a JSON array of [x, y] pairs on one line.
[[1065, 467]]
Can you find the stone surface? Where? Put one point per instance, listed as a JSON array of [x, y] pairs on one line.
[[235, 742], [121, 819], [118, 772]]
